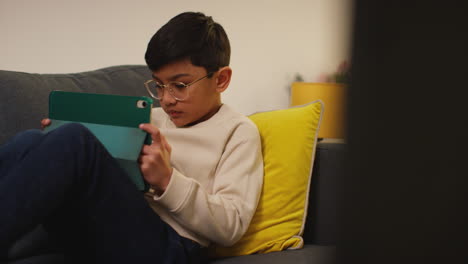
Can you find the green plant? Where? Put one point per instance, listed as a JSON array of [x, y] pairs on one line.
[[342, 73]]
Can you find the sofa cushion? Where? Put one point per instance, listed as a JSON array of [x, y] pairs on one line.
[[289, 139], [24, 100]]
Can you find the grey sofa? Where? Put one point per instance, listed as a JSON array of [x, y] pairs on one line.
[[23, 103]]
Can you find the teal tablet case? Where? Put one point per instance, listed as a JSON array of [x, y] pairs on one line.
[[113, 119]]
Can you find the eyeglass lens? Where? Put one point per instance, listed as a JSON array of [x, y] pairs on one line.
[[177, 89]]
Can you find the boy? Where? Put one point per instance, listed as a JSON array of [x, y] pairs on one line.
[[204, 166]]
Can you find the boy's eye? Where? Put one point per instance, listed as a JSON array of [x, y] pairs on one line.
[[179, 85]]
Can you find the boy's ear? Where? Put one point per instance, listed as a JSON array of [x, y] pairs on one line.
[[223, 78]]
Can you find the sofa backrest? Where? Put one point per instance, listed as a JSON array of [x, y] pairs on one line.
[[322, 214], [24, 96]]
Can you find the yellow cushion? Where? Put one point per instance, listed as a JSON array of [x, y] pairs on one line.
[[289, 139]]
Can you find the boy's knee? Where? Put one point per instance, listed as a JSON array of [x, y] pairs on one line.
[[73, 129], [29, 135], [23, 141], [73, 133]]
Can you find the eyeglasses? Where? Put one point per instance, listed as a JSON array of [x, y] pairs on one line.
[[178, 90]]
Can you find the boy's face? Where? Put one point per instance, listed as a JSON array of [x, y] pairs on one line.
[[203, 99]]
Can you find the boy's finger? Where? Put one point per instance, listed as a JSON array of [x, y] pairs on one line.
[[165, 143], [145, 150], [45, 122], [153, 131]]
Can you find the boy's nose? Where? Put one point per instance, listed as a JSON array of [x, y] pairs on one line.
[[167, 98]]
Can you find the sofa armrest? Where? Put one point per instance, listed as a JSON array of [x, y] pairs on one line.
[[321, 221]]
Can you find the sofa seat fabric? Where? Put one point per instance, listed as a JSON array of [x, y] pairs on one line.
[[41, 259], [310, 254]]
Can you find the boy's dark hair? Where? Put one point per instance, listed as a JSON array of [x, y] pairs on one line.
[[191, 36]]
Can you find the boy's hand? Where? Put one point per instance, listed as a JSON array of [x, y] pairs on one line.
[[45, 123], [155, 159]]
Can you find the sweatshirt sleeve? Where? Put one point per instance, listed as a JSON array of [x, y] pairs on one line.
[[223, 214]]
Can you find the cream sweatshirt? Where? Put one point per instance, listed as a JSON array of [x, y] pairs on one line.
[[217, 178]]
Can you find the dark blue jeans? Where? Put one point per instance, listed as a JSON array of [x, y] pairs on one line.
[[67, 181]]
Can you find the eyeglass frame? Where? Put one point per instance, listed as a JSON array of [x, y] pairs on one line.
[[166, 86]]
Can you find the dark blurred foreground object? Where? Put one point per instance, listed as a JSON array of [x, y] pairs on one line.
[[404, 193]]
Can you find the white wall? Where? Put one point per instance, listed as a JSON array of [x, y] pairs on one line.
[[271, 41]]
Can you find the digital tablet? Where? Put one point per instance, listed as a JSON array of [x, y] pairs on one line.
[[113, 119]]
